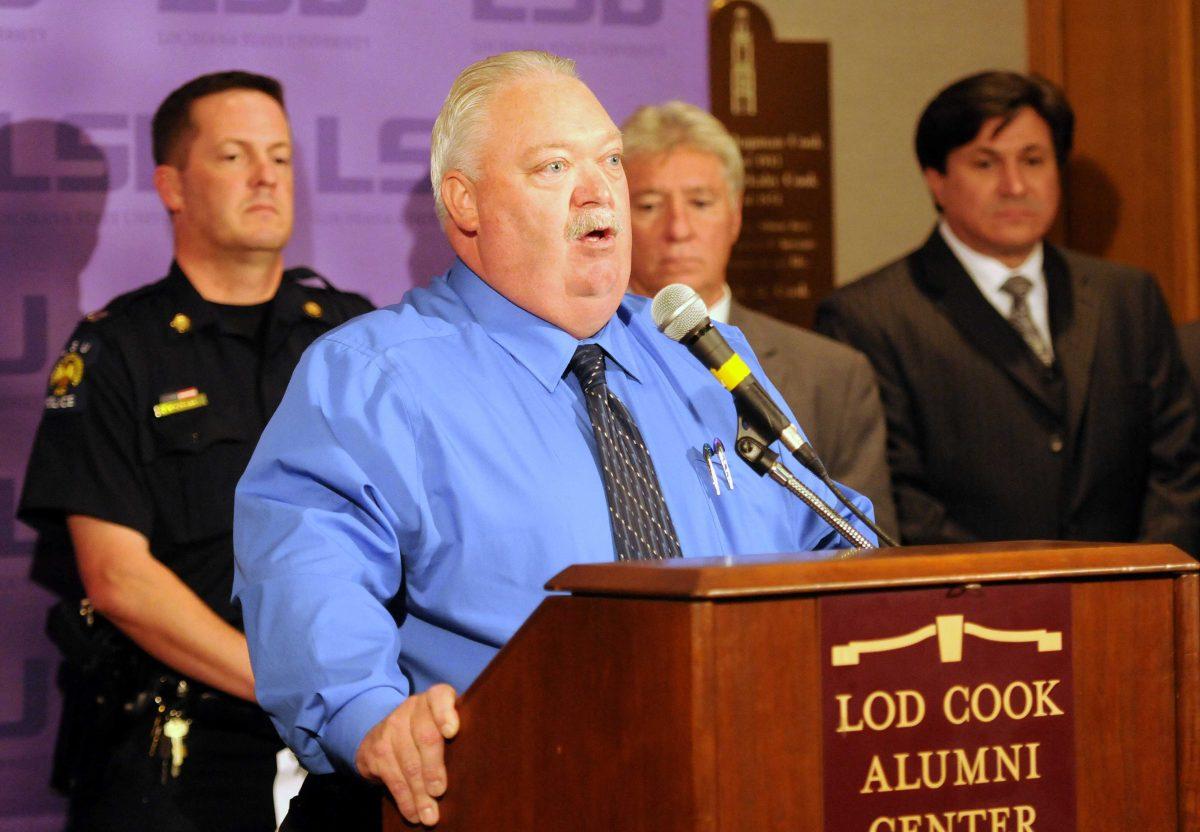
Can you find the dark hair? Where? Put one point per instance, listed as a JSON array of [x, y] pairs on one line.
[[955, 115], [172, 120]]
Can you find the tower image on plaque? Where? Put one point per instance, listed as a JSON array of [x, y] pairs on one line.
[[743, 82]]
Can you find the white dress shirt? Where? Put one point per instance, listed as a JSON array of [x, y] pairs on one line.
[[989, 274], [719, 311]]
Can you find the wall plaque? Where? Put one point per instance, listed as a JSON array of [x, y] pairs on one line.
[[773, 97], [949, 710]]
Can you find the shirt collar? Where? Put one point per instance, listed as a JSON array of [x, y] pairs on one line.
[[287, 305], [989, 273], [289, 302], [538, 345], [719, 311], [187, 301]]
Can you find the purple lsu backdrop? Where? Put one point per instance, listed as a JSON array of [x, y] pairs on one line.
[[80, 222]]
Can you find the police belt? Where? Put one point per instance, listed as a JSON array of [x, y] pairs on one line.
[[128, 681]]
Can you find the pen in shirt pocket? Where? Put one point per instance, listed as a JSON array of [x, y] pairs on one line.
[[712, 471], [720, 448]]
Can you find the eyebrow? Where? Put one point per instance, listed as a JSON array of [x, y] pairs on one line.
[[250, 143], [1023, 149], [560, 144]]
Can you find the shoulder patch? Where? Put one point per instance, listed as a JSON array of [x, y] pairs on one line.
[[65, 390]]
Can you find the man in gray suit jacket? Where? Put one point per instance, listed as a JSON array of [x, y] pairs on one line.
[[685, 188], [1031, 392]]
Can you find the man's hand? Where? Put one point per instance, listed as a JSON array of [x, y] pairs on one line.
[[404, 752]]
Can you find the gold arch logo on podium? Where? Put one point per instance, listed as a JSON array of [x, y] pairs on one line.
[[950, 632]]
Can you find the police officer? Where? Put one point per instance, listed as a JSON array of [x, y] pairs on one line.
[[151, 415]]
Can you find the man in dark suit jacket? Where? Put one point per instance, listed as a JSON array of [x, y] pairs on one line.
[[1189, 345], [686, 180], [1031, 392]]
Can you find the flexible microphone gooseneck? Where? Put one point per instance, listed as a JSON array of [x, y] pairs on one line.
[[682, 316]]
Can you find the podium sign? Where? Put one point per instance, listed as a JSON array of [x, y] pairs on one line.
[[949, 710]]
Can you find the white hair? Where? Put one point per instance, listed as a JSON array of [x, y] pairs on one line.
[[457, 133], [677, 124]]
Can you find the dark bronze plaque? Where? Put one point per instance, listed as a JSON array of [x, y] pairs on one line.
[[949, 710], [774, 98]]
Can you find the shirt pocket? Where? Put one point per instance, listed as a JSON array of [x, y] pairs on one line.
[[193, 463]]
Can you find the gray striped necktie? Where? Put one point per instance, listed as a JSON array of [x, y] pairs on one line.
[[641, 524], [1018, 287]]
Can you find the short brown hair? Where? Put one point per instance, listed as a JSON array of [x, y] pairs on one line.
[[172, 120], [956, 114]]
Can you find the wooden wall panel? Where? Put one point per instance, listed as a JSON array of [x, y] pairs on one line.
[[1129, 68]]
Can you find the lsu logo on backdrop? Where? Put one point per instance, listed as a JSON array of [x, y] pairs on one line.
[[399, 141], [316, 8], [126, 159], [399, 155], [609, 12]]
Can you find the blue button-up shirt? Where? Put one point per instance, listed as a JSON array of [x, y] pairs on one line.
[[433, 464]]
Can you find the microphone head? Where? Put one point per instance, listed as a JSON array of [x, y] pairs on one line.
[[677, 310]]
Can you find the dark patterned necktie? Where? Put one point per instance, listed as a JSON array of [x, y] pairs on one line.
[[641, 523], [1018, 287]]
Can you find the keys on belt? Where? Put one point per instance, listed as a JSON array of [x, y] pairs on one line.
[[171, 724]]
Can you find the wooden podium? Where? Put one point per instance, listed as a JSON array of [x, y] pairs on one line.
[[987, 688]]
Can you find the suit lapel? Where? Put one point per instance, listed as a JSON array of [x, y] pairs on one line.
[[1074, 325], [763, 346], [942, 277]]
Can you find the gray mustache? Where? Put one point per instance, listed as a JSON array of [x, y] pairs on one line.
[[593, 219]]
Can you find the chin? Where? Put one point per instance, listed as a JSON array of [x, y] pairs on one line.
[[1018, 244], [600, 282], [266, 242]]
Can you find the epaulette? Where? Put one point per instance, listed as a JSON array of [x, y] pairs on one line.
[[122, 302], [302, 273], [352, 303]]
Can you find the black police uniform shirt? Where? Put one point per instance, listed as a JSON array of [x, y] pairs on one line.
[[151, 415]]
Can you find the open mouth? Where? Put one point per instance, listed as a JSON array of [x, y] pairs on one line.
[[598, 235]]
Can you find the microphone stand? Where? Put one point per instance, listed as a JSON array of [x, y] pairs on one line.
[[753, 448], [807, 457]]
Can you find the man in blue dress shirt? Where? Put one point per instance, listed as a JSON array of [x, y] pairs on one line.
[[433, 463]]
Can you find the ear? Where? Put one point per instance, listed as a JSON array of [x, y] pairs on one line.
[[459, 197], [169, 186], [936, 182], [737, 215]]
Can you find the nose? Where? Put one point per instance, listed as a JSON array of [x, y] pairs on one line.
[[592, 188], [263, 172], [1012, 179], [679, 221]]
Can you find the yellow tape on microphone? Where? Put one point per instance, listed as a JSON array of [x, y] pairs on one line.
[[732, 372]]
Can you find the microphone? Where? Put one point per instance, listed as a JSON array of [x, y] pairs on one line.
[[682, 316]]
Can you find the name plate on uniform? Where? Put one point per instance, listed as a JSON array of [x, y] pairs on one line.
[[184, 400], [949, 710]]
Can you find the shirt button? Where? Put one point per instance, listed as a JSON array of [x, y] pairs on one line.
[[1056, 444]]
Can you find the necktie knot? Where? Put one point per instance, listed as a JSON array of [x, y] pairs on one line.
[[588, 366], [1018, 286]]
